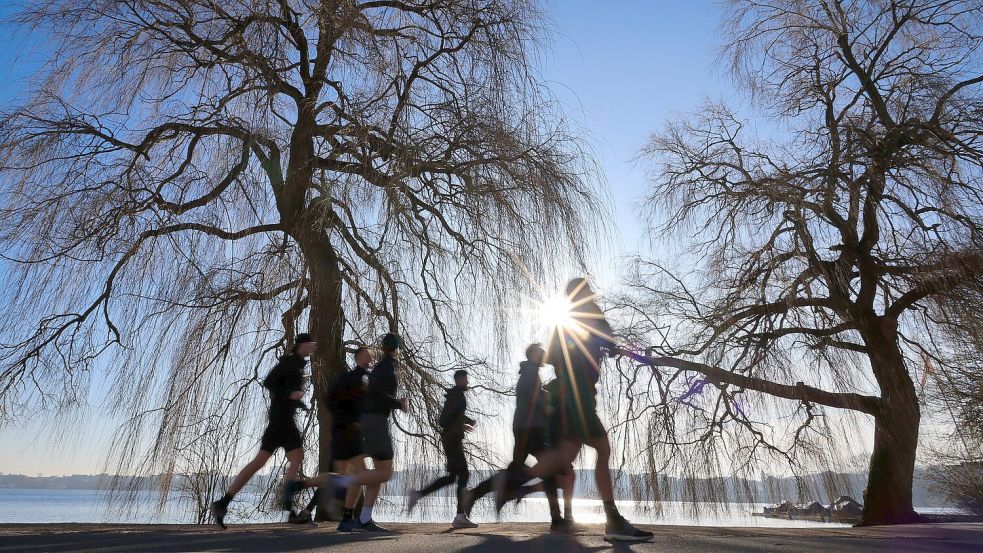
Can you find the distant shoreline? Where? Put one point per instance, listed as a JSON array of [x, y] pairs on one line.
[[765, 489]]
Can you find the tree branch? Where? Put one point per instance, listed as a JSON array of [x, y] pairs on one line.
[[800, 392]]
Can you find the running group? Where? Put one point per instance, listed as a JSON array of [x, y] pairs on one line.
[[551, 423]]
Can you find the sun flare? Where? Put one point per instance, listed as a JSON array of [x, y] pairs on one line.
[[555, 312]]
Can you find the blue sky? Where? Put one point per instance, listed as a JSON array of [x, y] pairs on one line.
[[626, 69], [622, 68]]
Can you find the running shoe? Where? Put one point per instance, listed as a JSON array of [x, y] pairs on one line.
[[349, 525], [619, 529], [562, 526], [302, 517], [462, 521], [218, 513], [574, 527], [371, 526]]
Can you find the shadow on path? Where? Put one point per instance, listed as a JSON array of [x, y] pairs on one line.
[[228, 540], [546, 543], [491, 538]]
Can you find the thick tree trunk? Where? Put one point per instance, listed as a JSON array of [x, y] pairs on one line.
[[327, 326], [324, 288], [888, 498]]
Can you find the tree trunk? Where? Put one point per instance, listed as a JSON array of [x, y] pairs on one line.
[[327, 325], [892, 464], [888, 498], [324, 288]]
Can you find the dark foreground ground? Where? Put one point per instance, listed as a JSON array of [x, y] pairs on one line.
[[497, 538]]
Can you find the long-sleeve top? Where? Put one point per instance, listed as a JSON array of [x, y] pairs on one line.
[[453, 416], [284, 379], [346, 395], [584, 345], [531, 400], [380, 398]]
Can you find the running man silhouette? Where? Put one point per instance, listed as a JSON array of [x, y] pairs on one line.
[[576, 352], [530, 428], [378, 404], [454, 423], [344, 401], [285, 382]]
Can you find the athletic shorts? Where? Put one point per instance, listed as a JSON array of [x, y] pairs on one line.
[[576, 419], [375, 436], [454, 450], [580, 426], [284, 434], [346, 442]]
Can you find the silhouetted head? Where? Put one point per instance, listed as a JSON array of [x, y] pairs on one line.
[[461, 379], [363, 357], [304, 344], [535, 353], [578, 289], [391, 343]]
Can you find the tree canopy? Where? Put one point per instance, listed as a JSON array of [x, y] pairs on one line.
[[188, 183], [829, 262]]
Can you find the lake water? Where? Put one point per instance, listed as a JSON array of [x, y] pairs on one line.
[[33, 506]]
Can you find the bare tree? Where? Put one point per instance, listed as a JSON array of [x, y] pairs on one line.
[[824, 250], [189, 181]]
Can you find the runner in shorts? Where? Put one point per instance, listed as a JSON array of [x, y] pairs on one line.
[[344, 402], [377, 406], [576, 352], [286, 386]]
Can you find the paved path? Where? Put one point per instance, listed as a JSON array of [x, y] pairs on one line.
[[491, 538]]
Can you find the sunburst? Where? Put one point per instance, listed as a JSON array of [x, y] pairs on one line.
[[555, 311]]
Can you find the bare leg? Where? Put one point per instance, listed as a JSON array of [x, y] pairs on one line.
[[247, 472], [295, 458], [366, 477], [220, 507], [445, 480], [601, 471], [340, 467], [373, 480], [555, 460], [351, 495], [567, 483], [370, 489]]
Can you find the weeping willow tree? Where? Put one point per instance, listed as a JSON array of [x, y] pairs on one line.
[[958, 393], [186, 183], [825, 266]]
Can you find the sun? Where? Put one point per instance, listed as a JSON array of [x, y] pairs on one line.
[[555, 312]]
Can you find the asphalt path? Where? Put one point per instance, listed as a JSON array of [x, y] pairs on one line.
[[492, 538]]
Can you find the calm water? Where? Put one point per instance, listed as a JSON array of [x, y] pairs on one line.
[[18, 505]]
